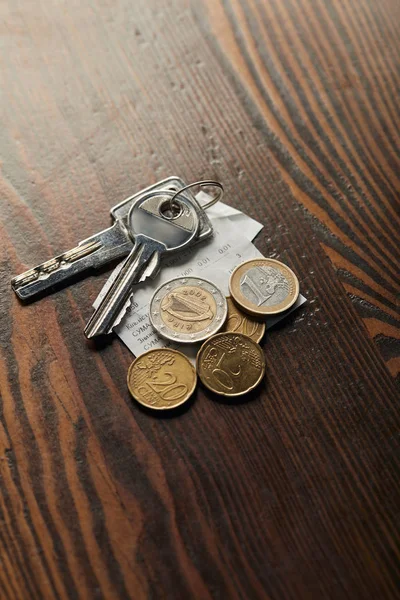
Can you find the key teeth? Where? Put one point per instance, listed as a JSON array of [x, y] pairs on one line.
[[126, 306], [123, 312], [89, 333]]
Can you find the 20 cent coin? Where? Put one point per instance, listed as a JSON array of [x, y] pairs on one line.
[[187, 310], [239, 322], [161, 378], [230, 364], [264, 286]]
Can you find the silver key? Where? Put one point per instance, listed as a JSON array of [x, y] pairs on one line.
[[155, 235], [97, 250]]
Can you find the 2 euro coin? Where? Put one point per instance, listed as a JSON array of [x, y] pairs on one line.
[[187, 310]]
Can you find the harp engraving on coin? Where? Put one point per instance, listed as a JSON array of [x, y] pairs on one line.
[[264, 286], [188, 309]]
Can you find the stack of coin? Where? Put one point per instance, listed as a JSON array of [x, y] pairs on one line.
[[230, 361]]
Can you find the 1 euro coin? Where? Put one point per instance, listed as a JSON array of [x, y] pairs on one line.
[[264, 286], [161, 379]]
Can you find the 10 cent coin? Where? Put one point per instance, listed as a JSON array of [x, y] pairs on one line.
[[187, 310], [230, 364], [239, 322], [264, 286], [161, 378]]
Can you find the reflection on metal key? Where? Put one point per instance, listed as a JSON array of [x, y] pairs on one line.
[[156, 231], [99, 249]]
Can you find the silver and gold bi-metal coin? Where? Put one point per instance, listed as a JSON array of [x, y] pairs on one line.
[[240, 322], [230, 364], [162, 379], [187, 310], [264, 286]]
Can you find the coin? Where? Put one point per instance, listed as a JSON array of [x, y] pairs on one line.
[[230, 364], [264, 286], [161, 378], [239, 322], [187, 310]]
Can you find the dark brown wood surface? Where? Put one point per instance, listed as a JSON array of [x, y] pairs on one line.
[[294, 106]]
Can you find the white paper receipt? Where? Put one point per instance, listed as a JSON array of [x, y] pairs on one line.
[[214, 259]]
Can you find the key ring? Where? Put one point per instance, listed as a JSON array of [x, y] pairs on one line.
[[203, 183]]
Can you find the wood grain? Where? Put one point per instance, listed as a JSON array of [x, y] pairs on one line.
[[295, 492]]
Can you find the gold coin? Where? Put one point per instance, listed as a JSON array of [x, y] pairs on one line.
[[162, 378], [239, 322], [230, 364], [264, 286]]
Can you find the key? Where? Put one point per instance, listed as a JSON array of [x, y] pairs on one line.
[[97, 250], [155, 235]]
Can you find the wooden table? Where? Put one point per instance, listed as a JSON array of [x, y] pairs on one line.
[[294, 106]]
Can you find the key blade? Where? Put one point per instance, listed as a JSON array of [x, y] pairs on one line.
[[92, 253], [117, 299], [151, 270], [106, 288]]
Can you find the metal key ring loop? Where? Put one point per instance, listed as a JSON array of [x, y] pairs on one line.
[[203, 183]]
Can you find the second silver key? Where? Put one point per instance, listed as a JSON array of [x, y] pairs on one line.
[[155, 234]]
